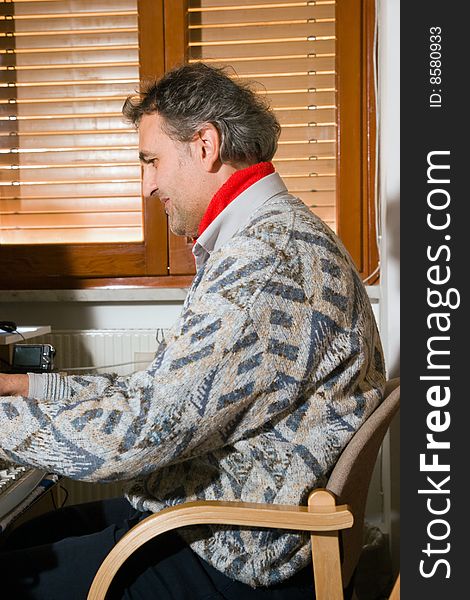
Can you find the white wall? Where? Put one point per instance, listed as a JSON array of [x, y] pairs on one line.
[[92, 309], [389, 178]]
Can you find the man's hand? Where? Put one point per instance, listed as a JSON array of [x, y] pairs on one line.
[[14, 385]]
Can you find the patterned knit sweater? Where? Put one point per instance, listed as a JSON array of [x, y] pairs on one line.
[[272, 366]]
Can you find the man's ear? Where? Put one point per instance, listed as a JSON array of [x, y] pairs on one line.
[[208, 146]]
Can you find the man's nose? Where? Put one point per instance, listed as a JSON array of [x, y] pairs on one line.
[[149, 180]]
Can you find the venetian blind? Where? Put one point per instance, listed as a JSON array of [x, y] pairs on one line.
[[289, 48], [68, 168]]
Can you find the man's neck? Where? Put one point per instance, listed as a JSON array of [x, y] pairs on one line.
[[234, 185], [224, 172]]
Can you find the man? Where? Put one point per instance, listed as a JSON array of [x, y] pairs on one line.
[[271, 368]]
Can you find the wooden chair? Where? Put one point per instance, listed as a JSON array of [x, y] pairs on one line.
[[350, 478], [323, 516]]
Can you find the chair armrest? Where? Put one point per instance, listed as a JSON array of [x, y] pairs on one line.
[[243, 514]]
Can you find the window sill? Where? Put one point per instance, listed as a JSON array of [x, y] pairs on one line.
[[136, 294], [127, 294]]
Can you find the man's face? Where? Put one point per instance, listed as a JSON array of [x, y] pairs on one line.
[[172, 173]]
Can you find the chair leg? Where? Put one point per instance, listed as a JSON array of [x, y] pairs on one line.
[[325, 552]]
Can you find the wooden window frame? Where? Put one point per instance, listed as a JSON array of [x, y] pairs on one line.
[[165, 260], [42, 266], [356, 132]]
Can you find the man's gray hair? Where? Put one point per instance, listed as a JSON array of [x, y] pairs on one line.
[[190, 96]]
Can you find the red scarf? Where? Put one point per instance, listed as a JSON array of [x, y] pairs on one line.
[[233, 187]]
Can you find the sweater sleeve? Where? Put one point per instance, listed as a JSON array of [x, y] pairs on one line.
[[43, 385], [198, 389]]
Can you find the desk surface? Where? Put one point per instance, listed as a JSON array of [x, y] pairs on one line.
[[27, 332]]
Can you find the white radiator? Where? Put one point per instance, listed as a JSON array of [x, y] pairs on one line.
[[114, 350], [103, 350]]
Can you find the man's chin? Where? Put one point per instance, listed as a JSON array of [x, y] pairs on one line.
[[179, 230]]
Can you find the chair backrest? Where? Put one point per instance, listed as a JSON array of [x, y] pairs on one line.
[[351, 475]]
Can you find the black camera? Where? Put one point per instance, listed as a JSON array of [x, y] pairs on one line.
[[33, 358]]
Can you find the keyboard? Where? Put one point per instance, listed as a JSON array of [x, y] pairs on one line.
[[16, 483]]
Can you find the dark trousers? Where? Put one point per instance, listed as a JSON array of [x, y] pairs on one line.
[[55, 557]]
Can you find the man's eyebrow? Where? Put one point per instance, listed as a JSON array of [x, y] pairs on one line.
[[145, 157]]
